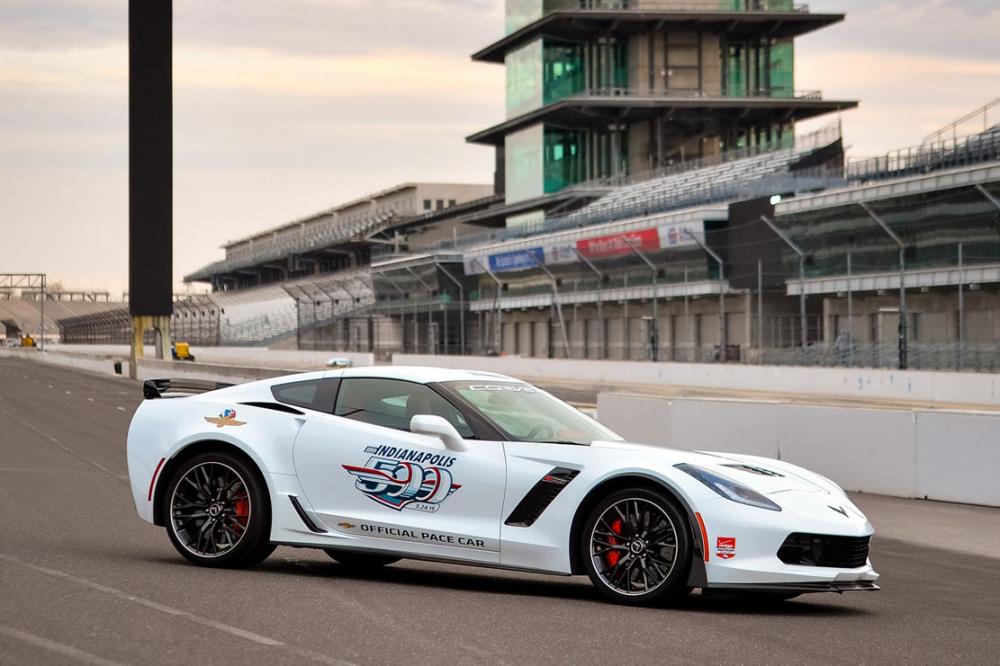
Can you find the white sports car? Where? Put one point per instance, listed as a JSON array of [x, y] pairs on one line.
[[373, 465]]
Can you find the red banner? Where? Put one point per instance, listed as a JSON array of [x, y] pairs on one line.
[[616, 244]]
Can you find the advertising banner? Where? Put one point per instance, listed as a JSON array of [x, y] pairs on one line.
[[608, 246], [618, 244]]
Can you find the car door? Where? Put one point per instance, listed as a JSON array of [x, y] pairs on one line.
[[365, 475]]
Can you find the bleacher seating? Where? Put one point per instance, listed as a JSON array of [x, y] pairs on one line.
[[304, 238], [26, 313], [254, 316], [693, 187]]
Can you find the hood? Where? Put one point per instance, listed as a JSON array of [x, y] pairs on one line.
[[764, 475]]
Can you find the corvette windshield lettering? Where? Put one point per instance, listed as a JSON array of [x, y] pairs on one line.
[[513, 388]]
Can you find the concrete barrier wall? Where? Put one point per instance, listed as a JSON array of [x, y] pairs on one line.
[[934, 454], [96, 363], [958, 457], [966, 388], [255, 357], [156, 369]]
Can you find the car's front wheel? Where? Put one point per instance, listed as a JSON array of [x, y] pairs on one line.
[[218, 513], [636, 548]]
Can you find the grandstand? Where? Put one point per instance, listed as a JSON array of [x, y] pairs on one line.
[[639, 216], [20, 314]]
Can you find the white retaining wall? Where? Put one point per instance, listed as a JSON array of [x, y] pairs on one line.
[[254, 357], [966, 388], [934, 454]]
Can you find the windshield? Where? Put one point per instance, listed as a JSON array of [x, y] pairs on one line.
[[524, 413]]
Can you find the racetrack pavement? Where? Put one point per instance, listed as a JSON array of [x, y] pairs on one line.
[[83, 580]]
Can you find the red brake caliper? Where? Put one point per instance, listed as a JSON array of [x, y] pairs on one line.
[[612, 556], [242, 510]]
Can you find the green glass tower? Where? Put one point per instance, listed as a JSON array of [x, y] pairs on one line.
[[609, 88]]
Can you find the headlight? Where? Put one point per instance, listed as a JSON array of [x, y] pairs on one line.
[[729, 489]]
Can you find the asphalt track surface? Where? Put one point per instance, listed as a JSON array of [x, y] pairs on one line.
[[83, 580]]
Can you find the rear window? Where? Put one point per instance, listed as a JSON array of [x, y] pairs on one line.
[[317, 394]]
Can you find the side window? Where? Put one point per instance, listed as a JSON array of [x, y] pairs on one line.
[[391, 403], [315, 394]]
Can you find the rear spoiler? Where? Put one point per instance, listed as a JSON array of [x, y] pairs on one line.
[[156, 388]]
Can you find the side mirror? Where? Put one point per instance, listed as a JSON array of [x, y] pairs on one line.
[[436, 426]]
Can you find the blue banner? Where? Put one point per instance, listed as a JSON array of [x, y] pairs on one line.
[[518, 260]]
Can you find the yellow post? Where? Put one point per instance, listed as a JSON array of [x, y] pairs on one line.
[[138, 330]]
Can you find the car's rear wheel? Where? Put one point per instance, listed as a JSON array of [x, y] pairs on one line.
[[636, 548], [358, 560], [218, 513]]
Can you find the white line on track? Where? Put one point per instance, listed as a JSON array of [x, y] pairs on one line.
[[53, 646], [177, 612], [55, 441], [26, 470]]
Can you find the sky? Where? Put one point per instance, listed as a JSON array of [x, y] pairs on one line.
[[286, 107]]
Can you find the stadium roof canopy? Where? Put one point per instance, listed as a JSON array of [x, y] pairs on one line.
[[588, 108], [582, 23]]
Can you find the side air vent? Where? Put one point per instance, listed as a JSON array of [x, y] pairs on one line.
[[304, 516], [539, 497], [275, 406]]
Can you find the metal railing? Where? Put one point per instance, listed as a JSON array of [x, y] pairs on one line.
[[670, 5], [926, 158], [695, 93], [990, 113]]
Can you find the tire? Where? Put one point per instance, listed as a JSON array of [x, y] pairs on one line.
[[360, 561], [228, 491], [636, 548]]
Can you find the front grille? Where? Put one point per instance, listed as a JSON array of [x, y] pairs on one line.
[[825, 550]]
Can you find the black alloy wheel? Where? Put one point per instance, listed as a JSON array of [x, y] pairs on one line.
[[637, 548], [218, 513]]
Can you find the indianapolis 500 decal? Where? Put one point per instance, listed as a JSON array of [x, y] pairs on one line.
[[401, 484]]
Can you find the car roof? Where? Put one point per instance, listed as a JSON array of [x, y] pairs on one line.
[[420, 374]]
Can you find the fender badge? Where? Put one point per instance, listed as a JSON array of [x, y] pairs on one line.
[[839, 509], [226, 418], [347, 526]]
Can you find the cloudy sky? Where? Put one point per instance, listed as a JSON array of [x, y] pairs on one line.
[[284, 107]]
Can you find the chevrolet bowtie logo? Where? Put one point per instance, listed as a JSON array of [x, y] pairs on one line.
[[346, 526], [841, 510]]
